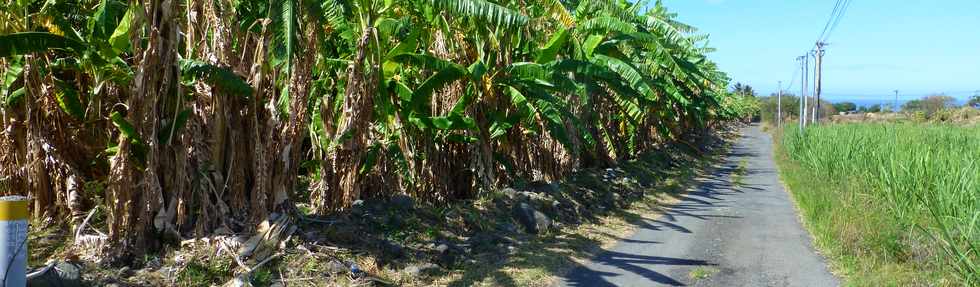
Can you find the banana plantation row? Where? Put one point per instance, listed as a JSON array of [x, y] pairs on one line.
[[179, 118]]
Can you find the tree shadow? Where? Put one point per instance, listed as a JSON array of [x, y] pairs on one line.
[[564, 251], [631, 263]]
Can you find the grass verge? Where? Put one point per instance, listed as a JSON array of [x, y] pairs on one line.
[[861, 192]]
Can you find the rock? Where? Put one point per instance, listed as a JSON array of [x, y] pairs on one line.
[[526, 195], [447, 234], [391, 250], [539, 186], [421, 269], [509, 192], [507, 227], [402, 202], [447, 254], [61, 274], [357, 207], [442, 247], [485, 242], [546, 204], [153, 263], [346, 233], [533, 221], [395, 219], [335, 267]]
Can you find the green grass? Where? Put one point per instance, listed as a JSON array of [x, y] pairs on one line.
[[204, 273], [738, 176], [700, 273], [890, 204]]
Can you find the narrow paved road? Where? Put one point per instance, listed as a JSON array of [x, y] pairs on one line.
[[742, 235]]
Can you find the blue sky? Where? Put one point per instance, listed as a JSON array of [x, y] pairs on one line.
[[915, 46]]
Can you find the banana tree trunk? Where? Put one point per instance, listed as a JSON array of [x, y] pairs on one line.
[[135, 189], [295, 129], [352, 131]]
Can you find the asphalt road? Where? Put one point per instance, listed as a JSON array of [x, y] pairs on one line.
[[745, 234]]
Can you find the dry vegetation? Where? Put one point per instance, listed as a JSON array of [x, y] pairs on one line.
[[394, 242], [138, 127]]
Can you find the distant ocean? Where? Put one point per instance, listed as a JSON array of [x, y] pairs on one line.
[[865, 102]]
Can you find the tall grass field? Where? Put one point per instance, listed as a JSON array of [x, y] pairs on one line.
[[890, 204]]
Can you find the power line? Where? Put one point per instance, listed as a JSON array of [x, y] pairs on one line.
[[832, 14], [792, 81], [840, 15], [840, 8]]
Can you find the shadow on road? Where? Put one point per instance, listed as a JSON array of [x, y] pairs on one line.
[[631, 263], [701, 203], [659, 173]]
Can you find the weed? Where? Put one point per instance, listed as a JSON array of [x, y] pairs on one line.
[[738, 175], [699, 273], [198, 274]]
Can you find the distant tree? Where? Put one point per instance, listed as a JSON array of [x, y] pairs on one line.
[[845, 106], [768, 109], [974, 102], [791, 107], [827, 109], [745, 90], [876, 108], [930, 104]]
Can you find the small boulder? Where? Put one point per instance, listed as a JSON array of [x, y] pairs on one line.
[[540, 186], [402, 202], [334, 267], [526, 195], [485, 242], [533, 221], [391, 250], [421, 269], [509, 193], [447, 254], [357, 207]]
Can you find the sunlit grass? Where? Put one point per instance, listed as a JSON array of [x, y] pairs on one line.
[[895, 199], [699, 273]]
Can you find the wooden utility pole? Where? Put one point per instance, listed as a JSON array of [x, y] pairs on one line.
[[817, 84], [779, 105]]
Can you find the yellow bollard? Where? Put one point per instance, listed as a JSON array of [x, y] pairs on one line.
[[13, 237]]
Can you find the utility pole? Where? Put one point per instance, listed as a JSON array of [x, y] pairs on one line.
[[813, 92], [779, 105], [817, 84], [806, 79], [802, 112], [895, 105]]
